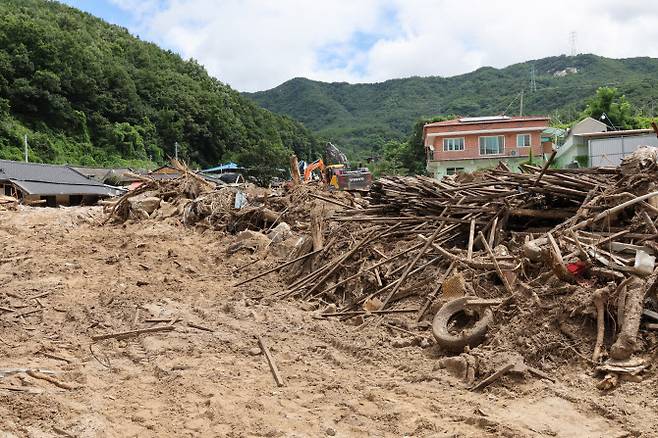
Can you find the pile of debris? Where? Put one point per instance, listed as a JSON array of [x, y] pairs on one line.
[[194, 201], [544, 265], [512, 271], [8, 202]]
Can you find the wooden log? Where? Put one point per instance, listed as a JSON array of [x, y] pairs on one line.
[[331, 201], [38, 375], [270, 361], [501, 275], [294, 170], [610, 211], [471, 235], [492, 378], [130, 333], [199, 327], [369, 238], [541, 214], [546, 165], [631, 313], [396, 219], [411, 265], [276, 268], [363, 312], [598, 299]]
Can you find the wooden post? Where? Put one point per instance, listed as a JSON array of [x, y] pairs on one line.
[[471, 236], [294, 169]]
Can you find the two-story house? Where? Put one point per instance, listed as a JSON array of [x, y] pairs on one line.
[[471, 143]]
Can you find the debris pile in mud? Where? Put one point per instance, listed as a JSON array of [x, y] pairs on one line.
[[539, 256], [195, 201], [543, 266]]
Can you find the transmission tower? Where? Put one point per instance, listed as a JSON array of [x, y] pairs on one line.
[[533, 79], [572, 42]]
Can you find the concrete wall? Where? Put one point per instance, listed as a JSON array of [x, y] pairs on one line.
[[588, 125], [568, 154], [439, 169], [575, 145], [472, 146], [610, 151]]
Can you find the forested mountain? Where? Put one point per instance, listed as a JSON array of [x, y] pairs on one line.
[[88, 92], [363, 117]]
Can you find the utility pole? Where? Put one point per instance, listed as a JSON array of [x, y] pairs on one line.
[[176, 150], [25, 145], [521, 105]]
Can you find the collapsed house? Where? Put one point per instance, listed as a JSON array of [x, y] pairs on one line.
[[50, 185]]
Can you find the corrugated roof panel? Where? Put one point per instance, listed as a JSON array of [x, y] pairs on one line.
[[42, 172], [53, 189]]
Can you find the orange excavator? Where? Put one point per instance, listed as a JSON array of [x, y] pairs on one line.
[[338, 177], [308, 172]]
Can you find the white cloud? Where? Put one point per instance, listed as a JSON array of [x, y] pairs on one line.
[[258, 44]]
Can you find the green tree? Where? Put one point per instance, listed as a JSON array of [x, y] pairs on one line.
[[88, 92], [615, 106]]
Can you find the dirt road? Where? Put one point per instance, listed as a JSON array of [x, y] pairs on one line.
[[64, 279]]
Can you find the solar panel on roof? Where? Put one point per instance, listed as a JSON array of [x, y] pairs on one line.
[[482, 119]]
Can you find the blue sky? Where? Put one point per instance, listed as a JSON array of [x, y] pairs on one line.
[[106, 10], [258, 44]]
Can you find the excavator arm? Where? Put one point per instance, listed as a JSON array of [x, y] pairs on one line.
[[319, 164]]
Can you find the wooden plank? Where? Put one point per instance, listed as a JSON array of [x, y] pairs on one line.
[[411, 265], [276, 268], [471, 236], [496, 265], [130, 333], [270, 361]]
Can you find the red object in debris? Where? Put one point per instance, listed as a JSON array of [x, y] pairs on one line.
[[576, 268]]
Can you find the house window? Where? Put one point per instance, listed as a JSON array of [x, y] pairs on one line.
[[453, 170], [492, 145], [523, 140], [453, 144]]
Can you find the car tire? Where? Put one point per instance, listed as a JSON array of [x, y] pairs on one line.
[[471, 337]]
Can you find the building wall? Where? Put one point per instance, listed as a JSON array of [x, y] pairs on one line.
[[610, 151], [472, 146], [439, 169], [588, 125], [575, 152]]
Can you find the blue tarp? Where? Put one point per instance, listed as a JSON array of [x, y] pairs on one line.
[[222, 168]]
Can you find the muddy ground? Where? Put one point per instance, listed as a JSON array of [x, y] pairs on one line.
[[340, 380]]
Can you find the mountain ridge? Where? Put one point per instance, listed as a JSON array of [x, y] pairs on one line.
[[363, 116]]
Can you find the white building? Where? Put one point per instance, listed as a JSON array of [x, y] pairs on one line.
[[590, 144]]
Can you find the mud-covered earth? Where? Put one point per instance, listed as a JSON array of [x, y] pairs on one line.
[[65, 278]]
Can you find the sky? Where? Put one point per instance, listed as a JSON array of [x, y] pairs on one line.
[[255, 45]]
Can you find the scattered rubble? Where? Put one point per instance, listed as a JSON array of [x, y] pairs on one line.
[[539, 245]]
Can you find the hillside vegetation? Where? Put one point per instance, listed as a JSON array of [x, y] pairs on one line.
[[90, 93], [363, 117]]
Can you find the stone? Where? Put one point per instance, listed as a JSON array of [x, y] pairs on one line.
[[280, 233], [148, 204], [254, 351], [372, 304]]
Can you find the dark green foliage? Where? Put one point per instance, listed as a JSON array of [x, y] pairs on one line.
[[90, 93], [609, 102], [362, 118]]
